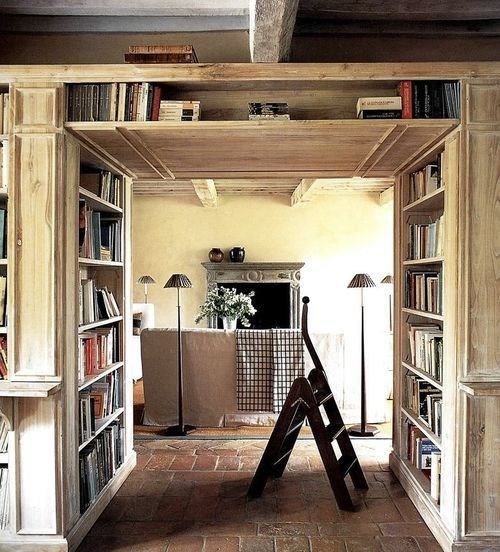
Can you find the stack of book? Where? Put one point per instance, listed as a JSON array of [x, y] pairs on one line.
[[3, 301], [425, 400], [268, 110], [379, 108], [4, 435], [424, 290], [4, 371], [103, 184], [430, 99], [100, 235], [425, 181], [99, 462], [4, 113], [4, 499], [113, 102], [161, 54], [425, 456], [97, 350], [96, 303], [426, 240], [171, 110], [426, 348]]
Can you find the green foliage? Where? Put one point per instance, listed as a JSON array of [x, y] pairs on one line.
[[224, 302]]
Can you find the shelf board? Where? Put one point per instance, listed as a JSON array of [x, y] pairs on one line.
[[424, 314], [105, 322], [481, 388], [3, 262], [428, 260], [27, 389], [423, 375], [161, 150], [421, 425], [430, 202], [423, 481], [98, 204], [97, 262], [89, 380], [101, 425], [3, 330], [4, 457]]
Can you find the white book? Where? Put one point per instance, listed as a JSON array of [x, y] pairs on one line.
[[384, 103], [436, 476]]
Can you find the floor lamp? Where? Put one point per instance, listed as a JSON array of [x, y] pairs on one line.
[[179, 281], [363, 429]]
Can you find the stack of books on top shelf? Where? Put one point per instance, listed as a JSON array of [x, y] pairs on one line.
[[425, 456], [426, 240], [96, 303], [430, 99], [268, 111], [425, 400], [426, 181], [161, 54], [99, 462], [426, 348], [424, 290], [379, 108], [97, 349], [100, 235], [4, 371], [103, 184], [113, 102], [4, 113], [4, 435], [171, 110], [4, 499]]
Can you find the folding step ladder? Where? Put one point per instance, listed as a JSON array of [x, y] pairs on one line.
[[304, 400]]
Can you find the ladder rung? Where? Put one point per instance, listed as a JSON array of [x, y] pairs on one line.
[[334, 431], [294, 428], [346, 463], [281, 458], [322, 396]]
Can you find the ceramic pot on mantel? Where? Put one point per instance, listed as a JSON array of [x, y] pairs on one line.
[[216, 255], [237, 254], [229, 323]]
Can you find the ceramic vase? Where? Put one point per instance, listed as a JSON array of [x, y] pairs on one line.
[[237, 254], [216, 255], [229, 323]]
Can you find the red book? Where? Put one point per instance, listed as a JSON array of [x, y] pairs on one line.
[[405, 91], [156, 103]]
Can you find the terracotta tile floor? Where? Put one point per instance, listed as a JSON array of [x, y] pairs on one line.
[[190, 496]]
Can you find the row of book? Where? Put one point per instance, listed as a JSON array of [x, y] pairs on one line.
[[4, 370], [4, 499], [99, 234], [426, 180], [4, 435], [99, 462], [268, 111], [426, 348], [425, 400], [424, 291], [425, 456], [161, 54], [103, 184], [426, 240], [97, 401], [97, 350], [3, 233], [3, 301], [4, 165], [171, 110], [4, 113], [96, 303]]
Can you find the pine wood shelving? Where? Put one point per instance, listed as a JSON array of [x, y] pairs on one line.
[[99, 204], [101, 425], [99, 323], [430, 202], [28, 389], [424, 261], [424, 314], [414, 418], [90, 379], [423, 374], [98, 262]]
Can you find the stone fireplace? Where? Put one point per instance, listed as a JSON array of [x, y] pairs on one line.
[[276, 287]]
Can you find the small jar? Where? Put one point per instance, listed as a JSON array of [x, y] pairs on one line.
[[237, 254], [216, 255]]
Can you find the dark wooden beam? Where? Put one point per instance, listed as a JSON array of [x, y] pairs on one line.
[[271, 29]]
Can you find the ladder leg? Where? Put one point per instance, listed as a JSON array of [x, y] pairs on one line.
[[290, 441]]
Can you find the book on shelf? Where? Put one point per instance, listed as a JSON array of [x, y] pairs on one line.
[[97, 350], [103, 184], [182, 110], [268, 111], [95, 303], [3, 300], [99, 234], [99, 461], [4, 113], [4, 370], [4, 165], [380, 114], [429, 99], [113, 102], [426, 348], [3, 233], [4, 499], [426, 240], [425, 400], [4, 435], [388, 107], [424, 290], [426, 180], [436, 475], [161, 54]]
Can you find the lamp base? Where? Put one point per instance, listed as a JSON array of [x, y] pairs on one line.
[[370, 431], [179, 431]]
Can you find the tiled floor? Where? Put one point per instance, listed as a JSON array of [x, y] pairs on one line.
[[190, 496]]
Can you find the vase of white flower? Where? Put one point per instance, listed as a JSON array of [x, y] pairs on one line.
[[227, 304]]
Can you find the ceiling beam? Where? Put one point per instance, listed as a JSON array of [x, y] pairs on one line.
[[386, 196], [304, 191], [206, 192], [271, 29]]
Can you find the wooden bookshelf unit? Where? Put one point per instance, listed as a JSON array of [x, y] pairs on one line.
[[323, 140]]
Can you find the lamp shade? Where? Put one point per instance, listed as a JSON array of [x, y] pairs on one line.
[[361, 281], [387, 279], [178, 281], [146, 279]]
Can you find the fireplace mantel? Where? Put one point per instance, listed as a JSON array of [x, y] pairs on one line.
[[258, 272]]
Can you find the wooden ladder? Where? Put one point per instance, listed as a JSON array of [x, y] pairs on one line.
[[304, 400]]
